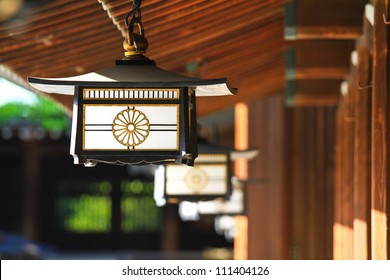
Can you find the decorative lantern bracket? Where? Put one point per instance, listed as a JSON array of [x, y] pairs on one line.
[[136, 19], [135, 44]]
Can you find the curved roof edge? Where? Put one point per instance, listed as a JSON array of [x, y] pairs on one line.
[[132, 76]]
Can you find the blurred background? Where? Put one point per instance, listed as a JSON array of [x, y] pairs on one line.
[[311, 79]]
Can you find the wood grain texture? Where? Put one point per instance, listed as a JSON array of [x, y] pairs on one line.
[[240, 40], [267, 231], [380, 138], [241, 134], [310, 182], [362, 153]]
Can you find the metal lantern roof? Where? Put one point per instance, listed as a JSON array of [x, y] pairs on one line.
[[135, 69], [137, 74]]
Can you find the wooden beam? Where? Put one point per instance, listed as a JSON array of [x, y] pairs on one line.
[[251, 87], [315, 70], [323, 19], [313, 92], [317, 73], [333, 32], [323, 53]]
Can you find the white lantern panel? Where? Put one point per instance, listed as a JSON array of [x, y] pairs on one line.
[[210, 179], [131, 127]]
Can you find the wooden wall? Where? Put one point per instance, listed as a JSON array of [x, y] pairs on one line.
[[319, 188], [266, 193], [290, 182], [309, 181]]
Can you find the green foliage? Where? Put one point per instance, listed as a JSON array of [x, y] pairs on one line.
[[139, 211], [44, 113], [90, 211], [86, 213]]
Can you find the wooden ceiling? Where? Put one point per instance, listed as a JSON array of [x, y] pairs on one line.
[[322, 35], [242, 40]]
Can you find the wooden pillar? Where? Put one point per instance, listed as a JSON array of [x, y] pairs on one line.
[[296, 184], [266, 211], [241, 172], [241, 238], [343, 218], [347, 182], [310, 182], [362, 154], [337, 225], [32, 168], [355, 156], [171, 230], [380, 134]]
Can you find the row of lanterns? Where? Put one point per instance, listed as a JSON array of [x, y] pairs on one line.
[[137, 113], [206, 189]]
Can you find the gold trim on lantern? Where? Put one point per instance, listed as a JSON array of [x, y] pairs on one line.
[[136, 92]]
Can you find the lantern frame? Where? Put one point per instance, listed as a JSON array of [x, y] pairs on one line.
[[137, 76]]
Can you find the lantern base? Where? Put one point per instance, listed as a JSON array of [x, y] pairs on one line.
[[92, 160]]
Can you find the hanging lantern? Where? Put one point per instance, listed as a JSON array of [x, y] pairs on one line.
[[210, 178], [133, 112], [235, 205]]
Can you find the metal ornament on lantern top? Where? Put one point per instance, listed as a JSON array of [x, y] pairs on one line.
[[133, 112]]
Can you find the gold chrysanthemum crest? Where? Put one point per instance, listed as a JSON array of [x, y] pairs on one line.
[[196, 179], [131, 127]]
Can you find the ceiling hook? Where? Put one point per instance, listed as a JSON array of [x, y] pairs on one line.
[[364, 87], [385, 19]]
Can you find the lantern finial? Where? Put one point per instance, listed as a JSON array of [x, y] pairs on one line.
[[135, 45]]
